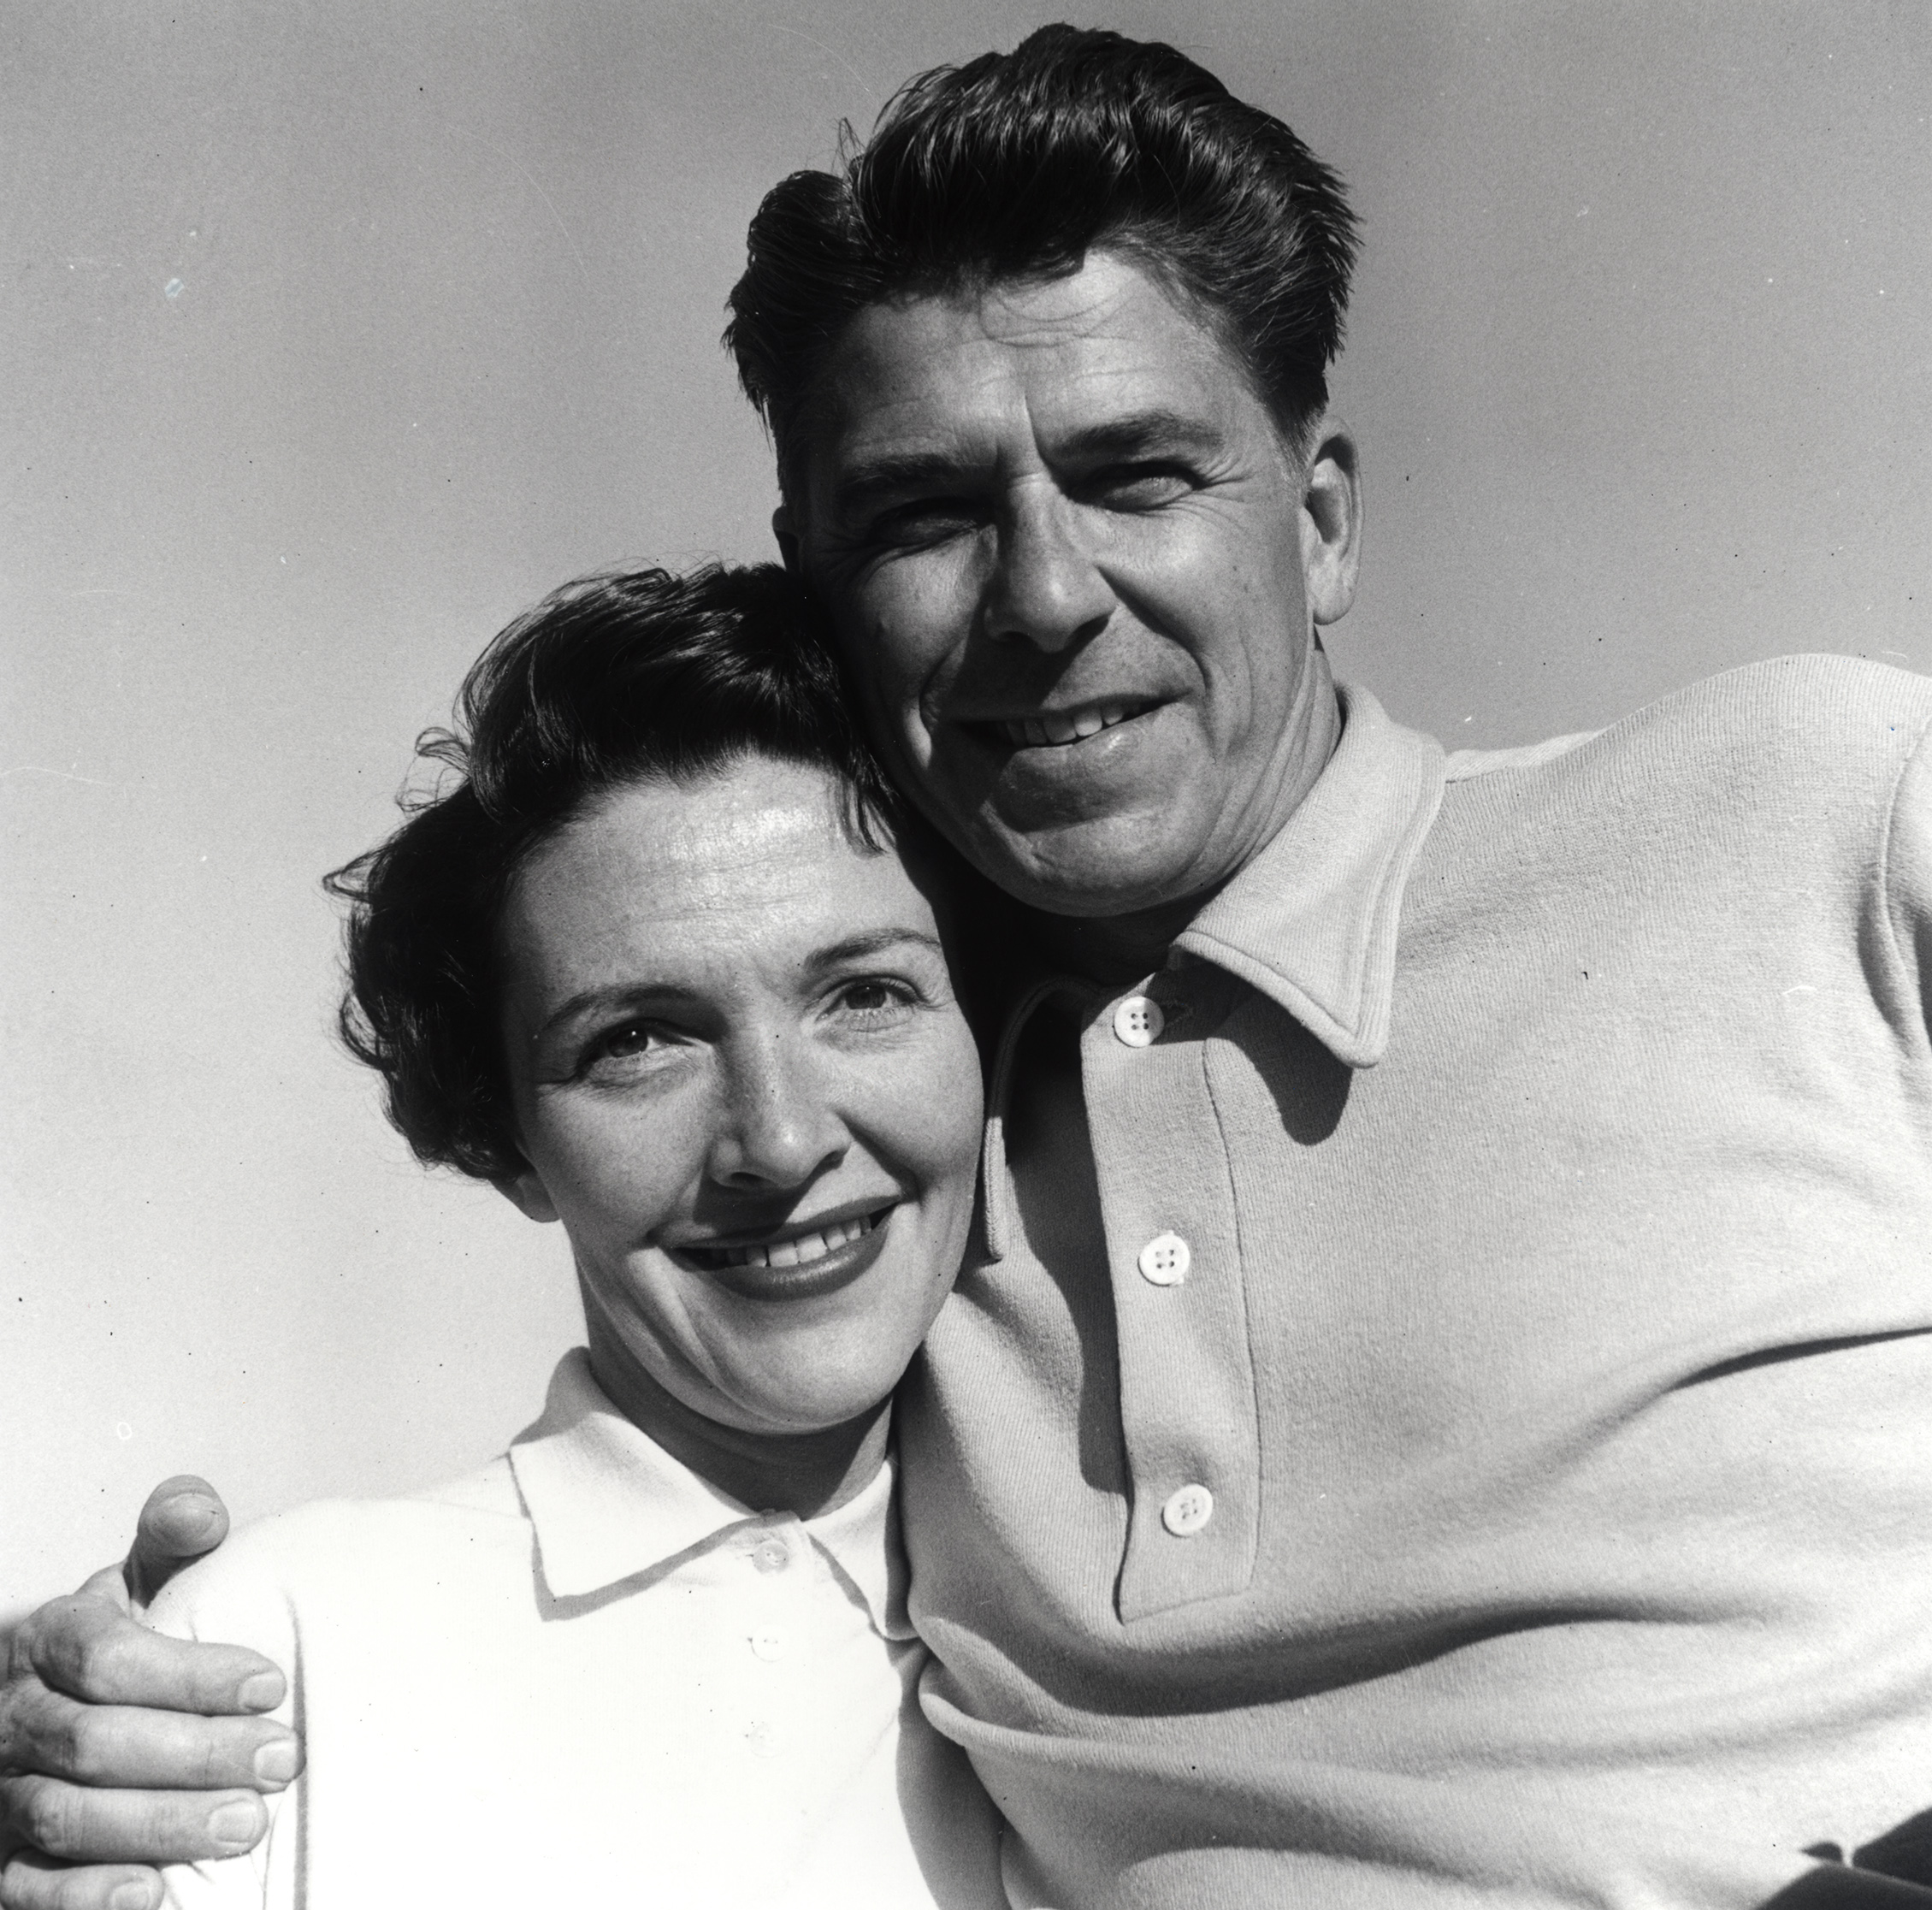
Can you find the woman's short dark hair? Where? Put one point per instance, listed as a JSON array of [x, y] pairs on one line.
[[610, 681], [1015, 166]]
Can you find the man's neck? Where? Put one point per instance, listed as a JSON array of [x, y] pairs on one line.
[[1114, 951], [806, 1473]]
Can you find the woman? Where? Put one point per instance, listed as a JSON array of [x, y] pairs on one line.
[[664, 965]]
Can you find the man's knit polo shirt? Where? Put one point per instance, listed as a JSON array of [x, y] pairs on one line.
[[1444, 1410], [584, 1676]]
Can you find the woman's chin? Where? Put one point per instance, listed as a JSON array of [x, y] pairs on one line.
[[779, 1404]]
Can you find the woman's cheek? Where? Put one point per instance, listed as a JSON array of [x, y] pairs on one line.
[[941, 1117], [625, 1168]]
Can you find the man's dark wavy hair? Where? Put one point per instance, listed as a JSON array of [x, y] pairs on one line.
[[1015, 166], [610, 680]]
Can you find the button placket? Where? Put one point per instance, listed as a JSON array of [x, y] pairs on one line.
[[1187, 1394]]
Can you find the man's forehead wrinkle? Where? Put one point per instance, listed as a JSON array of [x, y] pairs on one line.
[[1079, 302]]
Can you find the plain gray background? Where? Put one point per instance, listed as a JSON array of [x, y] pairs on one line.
[[334, 335]]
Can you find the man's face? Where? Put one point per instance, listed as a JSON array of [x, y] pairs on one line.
[[1075, 567]]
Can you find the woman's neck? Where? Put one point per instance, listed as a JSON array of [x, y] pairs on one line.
[[809, 1474]]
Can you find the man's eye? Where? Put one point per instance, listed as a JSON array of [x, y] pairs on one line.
[[929, 521], [1140, 486]]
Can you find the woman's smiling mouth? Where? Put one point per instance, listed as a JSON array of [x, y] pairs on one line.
[[797, 1263]]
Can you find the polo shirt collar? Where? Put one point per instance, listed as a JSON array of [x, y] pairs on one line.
[[1311, 920], [607, 1502]]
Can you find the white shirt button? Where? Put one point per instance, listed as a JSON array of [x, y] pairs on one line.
[[1188, 1510], [1138, 1021], [764, 1739], [768, 1645], [1165, 1260], [770, 1555]]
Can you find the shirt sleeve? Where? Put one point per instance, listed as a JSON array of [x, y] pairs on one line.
[[235, 1596], [1908, 883]]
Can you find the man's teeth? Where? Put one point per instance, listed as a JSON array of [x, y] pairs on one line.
[[801, 1249], [1064, 726]]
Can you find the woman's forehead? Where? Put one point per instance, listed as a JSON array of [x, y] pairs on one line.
[[757, 854]]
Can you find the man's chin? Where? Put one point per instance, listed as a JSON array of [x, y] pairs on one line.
[[1094, 867]]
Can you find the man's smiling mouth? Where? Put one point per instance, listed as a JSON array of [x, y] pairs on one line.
[[797, 1248], [1058, 727]]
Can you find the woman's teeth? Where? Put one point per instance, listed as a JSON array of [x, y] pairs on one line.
[[797, 1249], [1064, 726]]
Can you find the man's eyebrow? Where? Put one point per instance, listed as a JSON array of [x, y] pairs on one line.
[[1140, 432], [893, 474], [872, 479]]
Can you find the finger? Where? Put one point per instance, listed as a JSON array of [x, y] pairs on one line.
[[122, 1748], [83, 1647], [184, 1517], [34, 1882], [109, 1583], [86, 1826]]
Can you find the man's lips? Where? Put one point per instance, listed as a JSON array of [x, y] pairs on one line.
[[1057, 728]]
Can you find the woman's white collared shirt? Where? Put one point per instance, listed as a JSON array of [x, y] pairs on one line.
[[582, 1675]]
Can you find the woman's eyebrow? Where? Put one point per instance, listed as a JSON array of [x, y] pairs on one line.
[[873, 941], [614, 994], [640, 995]]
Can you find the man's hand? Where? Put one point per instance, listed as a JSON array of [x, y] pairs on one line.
[[119, 1749]]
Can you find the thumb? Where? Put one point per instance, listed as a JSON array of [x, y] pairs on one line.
[[183, 1519]]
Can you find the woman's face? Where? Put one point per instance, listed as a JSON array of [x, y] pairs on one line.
[[743, 1085]]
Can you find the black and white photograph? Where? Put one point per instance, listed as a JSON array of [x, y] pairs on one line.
[[966, 958]]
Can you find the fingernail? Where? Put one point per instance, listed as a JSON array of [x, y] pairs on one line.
[[235, 1825], [132, 1896], [193, 1515], [263, 1692], [274, 1764]]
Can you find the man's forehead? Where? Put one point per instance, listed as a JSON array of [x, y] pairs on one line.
[[941, 375]]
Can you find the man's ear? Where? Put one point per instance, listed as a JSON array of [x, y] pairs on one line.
[[782, 529], [527, 1194], [1332, 523]]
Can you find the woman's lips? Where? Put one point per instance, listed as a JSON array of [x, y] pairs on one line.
[[796, 1265]]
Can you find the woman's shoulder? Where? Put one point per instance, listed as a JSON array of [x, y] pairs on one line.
[[343, 1550]]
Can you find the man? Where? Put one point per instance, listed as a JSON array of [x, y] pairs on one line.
[[1440, 1405]]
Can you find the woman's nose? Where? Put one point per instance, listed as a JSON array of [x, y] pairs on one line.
[[1046, 591], [776, 1127]]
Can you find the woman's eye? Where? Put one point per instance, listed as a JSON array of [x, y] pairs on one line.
[[875, 1000], [622, 1050]]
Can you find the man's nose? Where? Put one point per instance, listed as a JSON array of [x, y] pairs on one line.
[[1046, 590], [776, 1127]]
